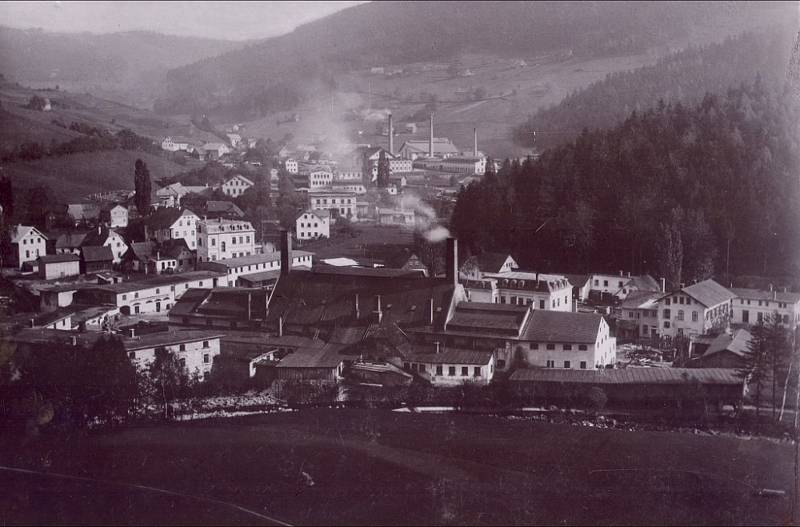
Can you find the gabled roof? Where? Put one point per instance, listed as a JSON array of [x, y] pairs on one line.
[[58, 258], [223, 207], [70, 240], [140, 251], [328, 356], [759, 294], [641, 300], [226, 302], [21, 231], [96, 253], [560, 326], [239, 176], [454, 356], [488, 262], [578, 280], [174, 247], [322, 214], [485, 317], [736, 343], [644, 282], [708, 292], [441, 145], [98, 238], [165, 217]]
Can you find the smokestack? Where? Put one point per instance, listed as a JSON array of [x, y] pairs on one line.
[[32, 323], [475, 142], [438, 349], [430, 305], [770, 287], [73, 340], [280, 326], [249, 306], [430, 140], [357, 311], [663, 285], [451, 269], [378, 311], [286, 252], [391, 135]]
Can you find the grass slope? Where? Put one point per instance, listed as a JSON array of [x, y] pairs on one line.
[[379, 467], [72, 177]]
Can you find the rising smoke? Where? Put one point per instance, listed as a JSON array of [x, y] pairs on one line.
[[427, 221]]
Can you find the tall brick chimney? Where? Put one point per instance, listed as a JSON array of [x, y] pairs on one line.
[[391, 136], [286, 252], [451, 261]]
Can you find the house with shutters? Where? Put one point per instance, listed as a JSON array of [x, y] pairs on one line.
[[27, 244], [754, 305], [173, 224], [236, 186], [695, 310]]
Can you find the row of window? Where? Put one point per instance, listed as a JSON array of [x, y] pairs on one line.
[[33, 241], [477, 371], [342, 201], [646, 312], [680, 315], [565, 347], [567, 364], [781, 305], [158, 290], [682, 300]]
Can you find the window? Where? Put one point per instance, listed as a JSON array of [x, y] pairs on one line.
[[439, 370], [451, 371], [205, 343], [182, 347], [567, 347], [476, 372], [666, 313], [422, 368], [760, 317], [551, 364], [551, 346], [406, 366], [534, 345], [567, 364], [183, 363], [666, 324], [501, 363], [464, 371], [132, 355], [785, 319], [680, 314], [124, 297], [694, 316], [206, 358], [597, 282], [583, 364], [605, 283], [541, 304], [582, 347]]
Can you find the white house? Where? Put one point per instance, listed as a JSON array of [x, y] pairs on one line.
[[638, 315], [234, 139], [568, 340], [105, 237], [341, 203], [173, 224], [291, 166], [753, 305], [313, 224], [175, 144], [453, 367], [693, 310], [114, 215], [28, 244], [236, 186], [222, 238], [215, 150], [194, 349], [540, 291]]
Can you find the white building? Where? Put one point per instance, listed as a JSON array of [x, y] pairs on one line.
[[540, 291], [234, 139], [341, 203], [396, 216], [291, 166], [174, 224], [453, 367], [313, 224], [568, 340], [694, 310], [28, 244], [175, 144], [470, 165], [754, 305], [194, 349], [114, 215], [222, 238], [53, 266], [255, 264], [236, 186], [104, 237], [318, 178]]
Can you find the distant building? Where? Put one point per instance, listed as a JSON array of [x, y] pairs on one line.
[[213, 151], [452, 366], [291, 166], [751, 306], [540, 291], [234, 268], [396, 216], [110, 238], [234, 139], [236, 186], [58, 266], [475, 267], [220, 239], [569, 341], [175, 144], [83, 213], [313, 224], [726, 350], [638, 315], [227, 307], [456, 164], [28, 243], [114, 215], [694, 310], [418, 148], [173, 224], [96, 258], [339, 203]]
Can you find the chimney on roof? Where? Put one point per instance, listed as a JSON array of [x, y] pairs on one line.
[[621, 273], [249, 308], [629, 274], [32, 323], [280, 326], [132, 332], [430, 306], [663, 285], [475, 142], [438, 348], [391, 136], [286, 252], [430, 139], [770, 287], [73, 340], [357, 311], [451, 269]]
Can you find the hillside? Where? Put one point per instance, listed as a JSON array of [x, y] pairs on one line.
[[128, 66], [681, 77], [74, 176], [277, 73]]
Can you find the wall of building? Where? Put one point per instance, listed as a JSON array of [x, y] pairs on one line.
[[59, 270], [452, 374], [197, 356], [750, 311]]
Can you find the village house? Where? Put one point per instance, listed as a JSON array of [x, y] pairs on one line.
[[569, 340], [150, 295], [291, 166], [638, 316], [172, 194], [53, 266], [83, 213], [178, 250], [96, 258], [254, 263], [751, 306], [221, 238], [726, 350], [110, 238], [317, 177], [452, 366], [605, 287], [325, 363], [222, 209], [694, 310], [538, 290], [195, 350], [173, 224], [214, 151], [348, 187], [236, 186], [475, 267], [313, 224], [175, 144], [114, 215], [70, 243], [396, 216], [27, 244]]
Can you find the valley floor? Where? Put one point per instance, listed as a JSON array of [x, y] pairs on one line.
[[381, 467]]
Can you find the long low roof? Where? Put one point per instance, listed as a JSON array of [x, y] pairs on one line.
[[169, 338], [454, 356], [719, 376], [252, 259], [156, 281], [327, 356]]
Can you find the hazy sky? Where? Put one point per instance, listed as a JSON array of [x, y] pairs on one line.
[[228, 20]]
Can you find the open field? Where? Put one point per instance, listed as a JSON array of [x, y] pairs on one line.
[[379, 467]]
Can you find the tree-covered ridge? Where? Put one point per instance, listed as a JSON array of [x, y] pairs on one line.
[[683, 77], [673, 191]]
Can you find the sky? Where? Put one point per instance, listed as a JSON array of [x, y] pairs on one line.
[[225, 20]]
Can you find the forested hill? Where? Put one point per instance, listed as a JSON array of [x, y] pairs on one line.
[[684, 77], [274, 74], [664, 192]]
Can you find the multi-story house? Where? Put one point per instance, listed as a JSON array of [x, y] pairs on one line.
[[175, 144], [339, 203], [751, 306], [114, 215], [220, 239], [568, 340], [28, 243], [694, 310], [540, 291], [105, 237], [173, 224], [236, 186], [291, 166], [233, 268], [313, 224], [638, 316], [194, 349]]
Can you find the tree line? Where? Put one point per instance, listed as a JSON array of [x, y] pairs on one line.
[[683, 192]]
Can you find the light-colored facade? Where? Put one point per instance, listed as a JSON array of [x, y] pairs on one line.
[[319, 178], [313, 224], [28, 244], [291, 166], [175, 144], [473, 166], [236, 186], [540, 291], [453, 367], [184, 227], [342, 203], [562, 343], [401, 217], [221, 238], [694, 310], [255, 263], [195, 350], [753, 305], [59, 266], [118, 216], [639, 313]]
